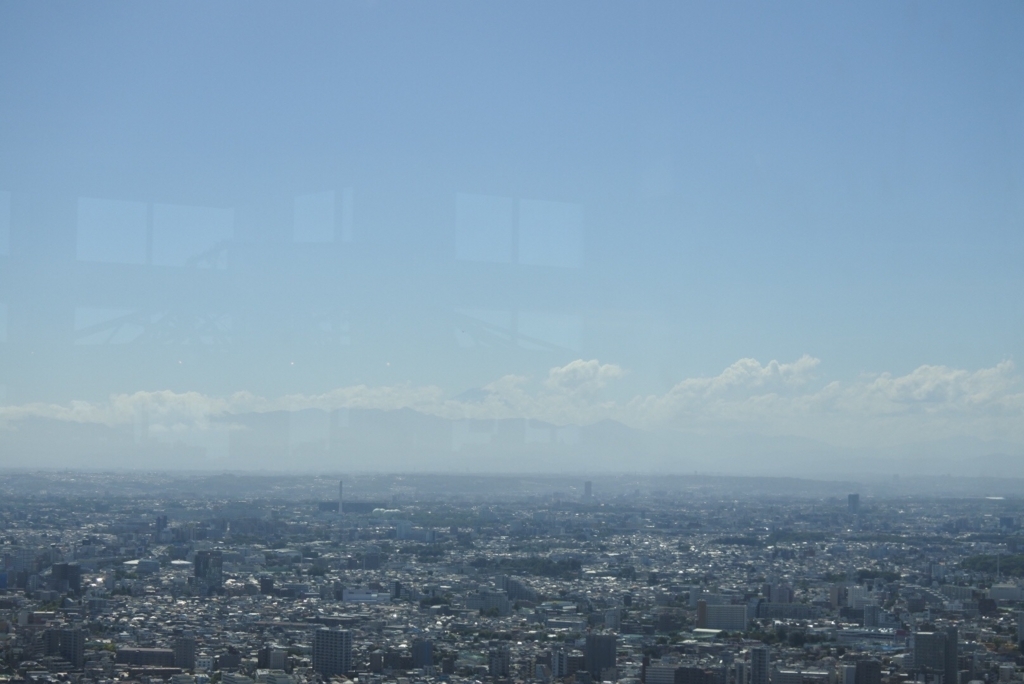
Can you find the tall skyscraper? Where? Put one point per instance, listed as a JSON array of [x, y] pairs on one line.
[[341, 497], [760, 664], [853, 503], [332, 652], [588, 490], [600, 651]]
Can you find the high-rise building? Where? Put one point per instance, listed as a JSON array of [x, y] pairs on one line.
[[51, 642], [72, 646], [857, 597], [517, 590], [499, 661], [780, 592], [951, 670], [185, 652], [588, 490], [731, 618], [371, 558], [209, 571], [760, 665], [271, 657], [868, 672], [929, 651], [853, 503], [559, 663], [332, 652], [422, 653], [937, 652], [600, 651], [743, 672], [837, 594], [66, 577], [489, 602], [67, 643], [660, 674]]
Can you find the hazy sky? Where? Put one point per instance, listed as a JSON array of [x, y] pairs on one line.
[[801, 219]]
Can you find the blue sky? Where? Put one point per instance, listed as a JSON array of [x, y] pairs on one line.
[[289, 200]]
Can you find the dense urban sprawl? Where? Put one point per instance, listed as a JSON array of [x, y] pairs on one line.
[[411, 580]]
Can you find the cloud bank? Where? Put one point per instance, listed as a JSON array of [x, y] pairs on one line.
[[791, 399]]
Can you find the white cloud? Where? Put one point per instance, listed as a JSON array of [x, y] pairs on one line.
[[774, 398], [582, 376], [941, 386]]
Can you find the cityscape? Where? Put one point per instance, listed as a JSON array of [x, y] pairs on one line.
[[461, 342], [450, 578]]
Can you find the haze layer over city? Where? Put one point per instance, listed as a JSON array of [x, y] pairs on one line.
[[366, 342]]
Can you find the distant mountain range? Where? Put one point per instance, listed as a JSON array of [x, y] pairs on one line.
[[404, 440]]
